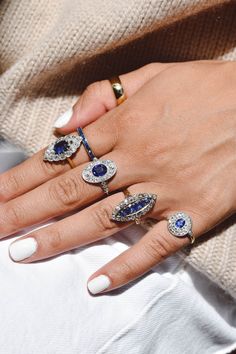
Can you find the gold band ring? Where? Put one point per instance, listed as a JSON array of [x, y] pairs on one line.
[[71, 162], [117, 89], [192, 238]]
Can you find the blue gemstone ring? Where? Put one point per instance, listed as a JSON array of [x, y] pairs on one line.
[[133, 207], [62, 149], [98, 171], [86, 144], [180, 225]]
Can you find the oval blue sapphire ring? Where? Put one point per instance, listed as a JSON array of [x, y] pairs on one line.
[[98, 171], [180, 225], [133, 207], [62, 149]]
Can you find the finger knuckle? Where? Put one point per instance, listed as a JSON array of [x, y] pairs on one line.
[[128, 270], [101, 217], [9, 186], [49, 169], [94, 90], [158, 248], [15, 216], [55, 240], [66, 190]]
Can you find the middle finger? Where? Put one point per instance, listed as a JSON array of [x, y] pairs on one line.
[[59, 196]]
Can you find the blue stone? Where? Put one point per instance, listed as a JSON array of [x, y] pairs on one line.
[[134, 208], [140, 205], [144, 202], [61, 147], [126, 211], [180, 223], [122, 213], [99, 170]]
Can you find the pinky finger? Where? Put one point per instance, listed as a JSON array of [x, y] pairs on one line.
[[153, 248]]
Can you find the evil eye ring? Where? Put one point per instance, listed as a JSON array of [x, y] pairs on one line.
[[180, 225], [98, 171], [133, 207], [62, 149]]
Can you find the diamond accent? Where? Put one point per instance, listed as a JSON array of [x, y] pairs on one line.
[[72, 141], [134, 207], [89, 176], [185, 228]]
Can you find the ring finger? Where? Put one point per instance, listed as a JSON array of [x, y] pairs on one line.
[[94, 223], [88, 225]]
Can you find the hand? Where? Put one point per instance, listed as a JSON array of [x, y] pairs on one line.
[[174, 137]]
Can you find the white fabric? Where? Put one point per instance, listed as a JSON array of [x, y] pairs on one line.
[[45, 307]]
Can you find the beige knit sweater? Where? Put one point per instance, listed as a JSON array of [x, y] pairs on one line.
[[51, 49]]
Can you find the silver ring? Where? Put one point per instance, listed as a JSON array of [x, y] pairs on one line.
[[62, 149], [133, 207], [98, 171], [180, 225]]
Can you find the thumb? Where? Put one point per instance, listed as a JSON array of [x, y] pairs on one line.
[[99, 98]]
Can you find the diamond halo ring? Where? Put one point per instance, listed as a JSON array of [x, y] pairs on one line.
[[98, 170], [180, 225], [62, 149], [133, 207]]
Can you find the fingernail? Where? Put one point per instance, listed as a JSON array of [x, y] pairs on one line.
[[22, 249], [63, 119], [98, 284]]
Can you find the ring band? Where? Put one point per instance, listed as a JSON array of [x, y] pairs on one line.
[[98, 171], [117, 89], [71, 162], [86, 144], [180, 225], [192, 238]]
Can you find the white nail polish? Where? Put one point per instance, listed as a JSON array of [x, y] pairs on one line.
[[63, 119], [98, 284], [22, 249]]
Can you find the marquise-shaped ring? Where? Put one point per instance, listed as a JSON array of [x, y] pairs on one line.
[[133, 207], [62, 149], [180, 225], [99, 171]]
